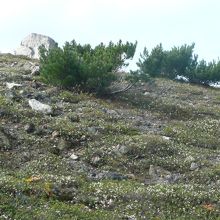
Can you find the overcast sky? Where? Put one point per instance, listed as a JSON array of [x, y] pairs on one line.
[[171, 22]]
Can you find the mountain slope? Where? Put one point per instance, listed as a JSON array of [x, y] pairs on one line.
[[151, 153]]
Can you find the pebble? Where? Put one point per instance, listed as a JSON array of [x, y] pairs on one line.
[[74, 157]]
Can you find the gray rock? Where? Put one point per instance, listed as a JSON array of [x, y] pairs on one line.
[[111, 112], [35, 70], [194, 166], [166, 138], [74, 156], [30, 44], [14, 64], [174, 177], [40, 107], [95, 160], [55, 134], [121, 149]]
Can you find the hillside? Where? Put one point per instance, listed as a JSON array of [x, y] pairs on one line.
[[150, 153]]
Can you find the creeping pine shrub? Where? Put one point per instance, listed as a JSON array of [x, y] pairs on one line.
[[171, 63], [178, 61], [93, 69]]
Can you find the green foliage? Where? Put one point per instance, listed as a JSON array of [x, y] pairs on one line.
[[205, 73], [169, 63], [178, 61], [92, 69], [152, 63]]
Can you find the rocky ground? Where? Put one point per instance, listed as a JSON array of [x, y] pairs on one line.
[[150, 153]]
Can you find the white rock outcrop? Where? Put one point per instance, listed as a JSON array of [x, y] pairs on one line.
[[40, 107], [30, 44]]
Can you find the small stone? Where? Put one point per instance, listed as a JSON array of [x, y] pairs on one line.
[[121, 149], [194, 166], [95, 160], [35, 70], [14, 64], [111, 112], [21, 92], [83, 138], [166, 138], [55, 134], [29, 128], [74, 156]]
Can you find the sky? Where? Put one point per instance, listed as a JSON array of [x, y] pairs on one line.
[[150, 22]]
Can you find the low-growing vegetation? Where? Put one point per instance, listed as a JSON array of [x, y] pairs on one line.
[[150, 153]]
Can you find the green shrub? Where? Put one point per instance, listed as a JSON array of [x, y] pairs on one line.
[[91, 69], [152, 63], [171, 63], [178, 61]]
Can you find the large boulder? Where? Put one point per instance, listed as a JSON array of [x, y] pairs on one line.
[[30, 44]]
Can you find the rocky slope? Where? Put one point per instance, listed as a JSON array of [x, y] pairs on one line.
[[151, 153]]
